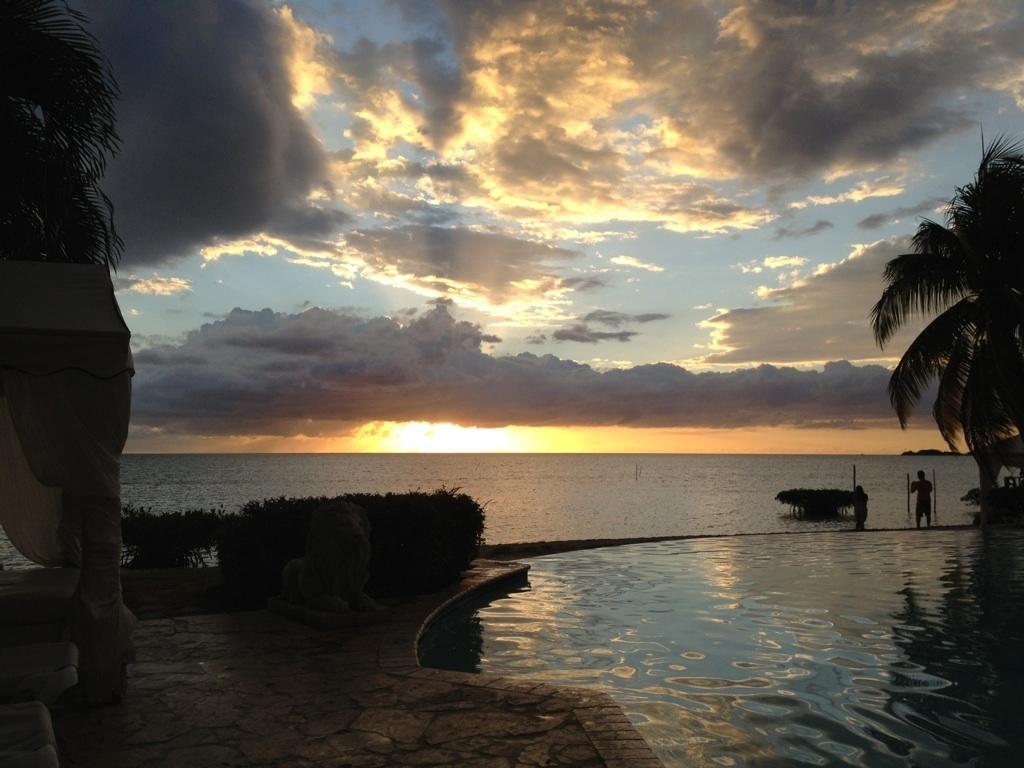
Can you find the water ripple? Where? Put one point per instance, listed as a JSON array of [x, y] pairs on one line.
[[892, 649]]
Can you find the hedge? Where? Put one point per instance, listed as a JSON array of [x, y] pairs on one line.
[[1006, 503], [169, 540], [421, 542]]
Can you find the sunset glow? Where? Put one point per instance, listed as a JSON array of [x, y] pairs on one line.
[[503, 227], [424, 437]]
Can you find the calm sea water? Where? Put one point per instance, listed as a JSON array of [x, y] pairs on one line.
[[888, 649], [556, 496]]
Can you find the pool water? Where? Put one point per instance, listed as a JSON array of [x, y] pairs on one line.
[[872, 649]]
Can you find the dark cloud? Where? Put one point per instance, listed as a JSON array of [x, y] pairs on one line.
[[212, 147], [796, 232], [489, 260], [584, 283], [424, 62], [878, 220], [586, 335], [618, 319], [582, 332], [814, 319], [319, 372], [773, 87], [792, 89]]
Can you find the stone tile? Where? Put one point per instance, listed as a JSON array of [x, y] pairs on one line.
[[255, 689]]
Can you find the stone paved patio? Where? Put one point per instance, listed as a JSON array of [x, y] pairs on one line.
[[256, 689]]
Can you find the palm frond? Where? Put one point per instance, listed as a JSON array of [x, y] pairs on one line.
[[983, 414], [58, 109], [926, 357], [920, 283], [952, 381]]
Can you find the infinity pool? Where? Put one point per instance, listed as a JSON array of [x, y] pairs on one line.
[[835, 648]]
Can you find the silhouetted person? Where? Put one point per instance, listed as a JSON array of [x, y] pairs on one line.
[[860, 507], [924, 498]]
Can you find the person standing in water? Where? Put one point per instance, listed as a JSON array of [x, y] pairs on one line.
[[860, 507], [924, 498]]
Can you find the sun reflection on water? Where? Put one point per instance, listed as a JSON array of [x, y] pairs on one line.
[[886, 649]]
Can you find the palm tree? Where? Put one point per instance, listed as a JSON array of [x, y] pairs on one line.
[[57, 120], [969, 273]]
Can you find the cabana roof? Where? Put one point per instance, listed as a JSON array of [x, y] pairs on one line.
[[56, 317], [1008, 452]]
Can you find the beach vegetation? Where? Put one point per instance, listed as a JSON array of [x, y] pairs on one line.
[[421, 542], [58, 116], [1005, 503], [816, 503], [169, 540], [966, 276]]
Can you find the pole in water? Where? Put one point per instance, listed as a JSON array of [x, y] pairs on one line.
[[908, 497], [935, 499], [855, 477]]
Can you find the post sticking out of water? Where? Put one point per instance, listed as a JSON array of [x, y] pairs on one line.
[[935, 499], [855, 477], [908, 497]]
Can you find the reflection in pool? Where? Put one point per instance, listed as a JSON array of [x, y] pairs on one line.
[[879, 649]]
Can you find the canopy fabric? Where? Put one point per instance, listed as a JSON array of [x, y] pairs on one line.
[[1005, 453], [65, 398], [31, 513], [56, 317]]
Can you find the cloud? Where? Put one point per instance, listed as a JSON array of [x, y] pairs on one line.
[[583, 333], [323, 373], [563, 120], [783, 262], [864, 190], [630, 261], [617, 319], [586, 335], [878, 220], [817, 227], [771, 262], [492, 262], [818, 318], [152, 286], [573, 116], [586, 283], [213, 144], [491, 271]]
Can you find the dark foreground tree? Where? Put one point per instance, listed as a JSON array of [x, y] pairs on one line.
[[969, 273], [57, 98]]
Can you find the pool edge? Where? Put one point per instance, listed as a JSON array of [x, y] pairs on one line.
[[611, 733]]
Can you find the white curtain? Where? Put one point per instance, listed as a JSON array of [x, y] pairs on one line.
[[30, 512], [71, 427]]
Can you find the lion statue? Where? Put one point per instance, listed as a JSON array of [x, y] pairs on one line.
[[332, 576]]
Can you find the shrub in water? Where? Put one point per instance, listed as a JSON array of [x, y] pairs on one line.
[[816, 502], [169, 540], [421, 542]]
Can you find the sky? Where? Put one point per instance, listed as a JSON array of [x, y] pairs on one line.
[[489, 226]]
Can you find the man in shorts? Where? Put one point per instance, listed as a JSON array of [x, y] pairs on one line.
[[924, 498]]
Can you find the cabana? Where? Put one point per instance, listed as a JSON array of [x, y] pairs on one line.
[[1005, 453], [65, 396]]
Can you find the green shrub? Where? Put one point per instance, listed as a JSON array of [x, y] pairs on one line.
[[421, 542], [1006, 503], [816, 502], [169, 540]]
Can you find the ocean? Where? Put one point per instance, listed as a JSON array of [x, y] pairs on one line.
[[532, 497]]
